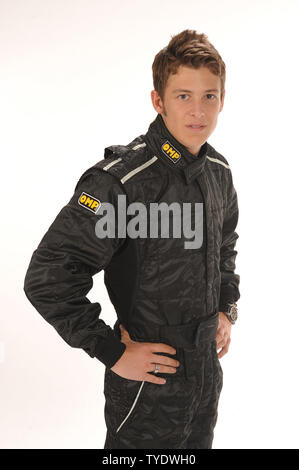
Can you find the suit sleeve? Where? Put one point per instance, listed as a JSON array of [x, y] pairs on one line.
[[60, 272], [229, 290]]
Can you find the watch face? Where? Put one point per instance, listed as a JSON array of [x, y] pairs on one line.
[[234, 315], [233, 312]]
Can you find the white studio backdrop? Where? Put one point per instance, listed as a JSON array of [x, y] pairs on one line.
[[76, 77]]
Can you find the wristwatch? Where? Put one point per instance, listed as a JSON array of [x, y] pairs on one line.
[[232, 313]]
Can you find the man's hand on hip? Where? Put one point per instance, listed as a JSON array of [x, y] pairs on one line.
[[140, 358]]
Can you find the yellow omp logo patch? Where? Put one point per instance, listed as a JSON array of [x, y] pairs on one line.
[[89, 202], [171, 152]]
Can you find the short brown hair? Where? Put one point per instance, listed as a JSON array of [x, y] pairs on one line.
[[190, 49]]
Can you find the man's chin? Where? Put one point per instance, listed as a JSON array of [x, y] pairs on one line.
[[193, 144]]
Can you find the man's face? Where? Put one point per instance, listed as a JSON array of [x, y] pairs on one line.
[[192, 98]]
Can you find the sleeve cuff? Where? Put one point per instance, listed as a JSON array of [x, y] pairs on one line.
[[109, 350], [223, 304]]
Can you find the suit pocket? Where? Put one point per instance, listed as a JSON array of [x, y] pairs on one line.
[[123, 398]]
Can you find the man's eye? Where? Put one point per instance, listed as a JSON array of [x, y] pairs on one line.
[[183, 95], [210, 95]]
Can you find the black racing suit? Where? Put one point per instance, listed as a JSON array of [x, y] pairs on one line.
[[162, 291]]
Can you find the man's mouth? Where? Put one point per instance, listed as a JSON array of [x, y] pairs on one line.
[[196, 126]]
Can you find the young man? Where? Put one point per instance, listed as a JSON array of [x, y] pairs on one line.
[[175, 303]]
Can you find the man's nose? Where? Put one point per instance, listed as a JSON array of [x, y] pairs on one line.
[[197, 109]]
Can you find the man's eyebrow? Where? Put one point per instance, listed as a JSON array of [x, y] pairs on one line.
[[189, 91]]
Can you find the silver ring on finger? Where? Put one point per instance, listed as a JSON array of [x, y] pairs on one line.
[[156, 369]]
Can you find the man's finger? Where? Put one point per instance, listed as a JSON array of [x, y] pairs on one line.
[[167, 361], [224, 350], [155, 380], [221, 340], [161, 347], [221, 344]]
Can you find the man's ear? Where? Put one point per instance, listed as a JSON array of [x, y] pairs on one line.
[[157, 102]]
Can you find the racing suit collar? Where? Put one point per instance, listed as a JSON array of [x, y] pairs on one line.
[[172, 152]]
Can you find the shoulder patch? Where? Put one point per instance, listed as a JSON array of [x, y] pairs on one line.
[[89, 202]]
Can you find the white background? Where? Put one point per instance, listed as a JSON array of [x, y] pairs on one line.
[[76, 77]]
